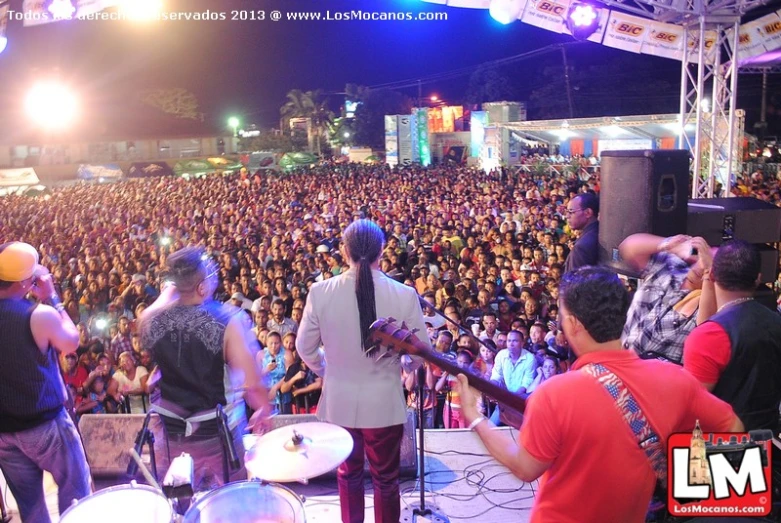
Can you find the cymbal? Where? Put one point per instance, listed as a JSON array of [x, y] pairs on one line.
[[298, 452]]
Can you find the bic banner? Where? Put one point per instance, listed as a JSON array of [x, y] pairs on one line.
[[722, 474], [405, 140]]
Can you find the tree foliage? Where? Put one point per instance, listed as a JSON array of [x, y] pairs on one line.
[[370, 115], [177, 102], [309, 104], [488, 84]]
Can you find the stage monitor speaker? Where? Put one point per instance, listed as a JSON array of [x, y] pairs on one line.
[[409, 446], [641, 191], [108, 439]]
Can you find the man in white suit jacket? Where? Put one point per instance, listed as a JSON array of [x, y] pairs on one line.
[[361, 393]]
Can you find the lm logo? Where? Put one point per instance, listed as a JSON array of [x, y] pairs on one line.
[[630, 29], [719, 474], [550, 7]]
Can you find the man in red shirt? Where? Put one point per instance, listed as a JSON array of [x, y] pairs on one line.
[[736, 354], [575, 437]]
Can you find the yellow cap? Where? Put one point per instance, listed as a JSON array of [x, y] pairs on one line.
[[17, 261]]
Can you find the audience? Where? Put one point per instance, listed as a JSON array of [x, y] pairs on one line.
[[487, 249]]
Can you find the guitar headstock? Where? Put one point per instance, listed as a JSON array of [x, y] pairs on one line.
[[387, 335]]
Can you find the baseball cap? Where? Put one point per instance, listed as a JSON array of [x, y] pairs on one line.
[[237, 296], [17, 261], [138, 277]]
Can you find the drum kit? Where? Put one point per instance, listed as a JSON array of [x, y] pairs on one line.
[[293, 453]]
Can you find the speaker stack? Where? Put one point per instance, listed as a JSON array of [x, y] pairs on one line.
[[648, 192]]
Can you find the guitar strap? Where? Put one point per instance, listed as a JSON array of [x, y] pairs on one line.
[[627, 405]]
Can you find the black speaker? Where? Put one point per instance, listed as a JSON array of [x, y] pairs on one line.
[[641, 191], [748, 219]]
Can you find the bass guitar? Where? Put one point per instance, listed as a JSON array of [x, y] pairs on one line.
[[385, 334]]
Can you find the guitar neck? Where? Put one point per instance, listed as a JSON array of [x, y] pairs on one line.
[[488, 388]]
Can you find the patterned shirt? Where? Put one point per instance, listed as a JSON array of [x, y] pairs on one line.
[[119, 345], [653, 326]]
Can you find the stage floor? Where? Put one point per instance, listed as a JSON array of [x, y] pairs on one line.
[[462, 483]]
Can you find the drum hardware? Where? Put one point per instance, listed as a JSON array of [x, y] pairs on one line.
[[144, 437], [230, 459], [298, 452]]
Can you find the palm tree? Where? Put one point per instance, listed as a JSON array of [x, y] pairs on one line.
[[308, 105]]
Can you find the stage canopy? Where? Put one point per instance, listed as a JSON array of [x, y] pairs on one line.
[[16, 181]]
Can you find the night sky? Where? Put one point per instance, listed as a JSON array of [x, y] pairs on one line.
[[245, 68]]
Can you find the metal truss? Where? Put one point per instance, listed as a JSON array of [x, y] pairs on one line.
[[708, 71], [681, 11]]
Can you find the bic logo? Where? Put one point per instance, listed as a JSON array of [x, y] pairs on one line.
[[772, 28], [744, 39], [629, 29], [669, 38], [719, 474], [550, 7]]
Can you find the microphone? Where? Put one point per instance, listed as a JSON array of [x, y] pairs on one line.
[[233, 457], [141, 438]]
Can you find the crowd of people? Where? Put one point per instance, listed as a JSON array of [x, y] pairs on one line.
[[487, 249]]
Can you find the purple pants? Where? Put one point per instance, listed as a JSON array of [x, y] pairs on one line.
[[382, 448]]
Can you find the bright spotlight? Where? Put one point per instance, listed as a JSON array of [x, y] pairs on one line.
[[62, 9], [346, 135], [51, 105], [705, 105], [165, 240], [141, 10], [505, 11], [582, 20], [101, 324]]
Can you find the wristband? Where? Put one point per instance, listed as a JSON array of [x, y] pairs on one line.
[[55, 302], [476, 422]]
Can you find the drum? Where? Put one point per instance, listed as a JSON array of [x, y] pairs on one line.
[[247, 502], [122, 504]]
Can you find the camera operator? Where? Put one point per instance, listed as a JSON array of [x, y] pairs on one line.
[[36, 432]]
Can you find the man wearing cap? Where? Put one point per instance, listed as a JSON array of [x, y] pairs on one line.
[[36, 433]]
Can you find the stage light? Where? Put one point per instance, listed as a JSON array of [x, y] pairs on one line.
[[3, 43], [582, 20], [505, 11], [346, 135], [141, 10], [435, 98], [51, 105], [62, 9], [234, 123], [705, 105], [101, 324]]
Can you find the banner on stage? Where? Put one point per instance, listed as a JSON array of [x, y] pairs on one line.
[[664, 40], [626, 32], [546, 14]]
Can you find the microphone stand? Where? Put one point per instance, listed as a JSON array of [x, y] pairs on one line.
[[144, 437], [422, 513]]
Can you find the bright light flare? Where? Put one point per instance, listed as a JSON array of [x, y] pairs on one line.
[[583, 15], [233, 122], [51, 105], [141, 10], [101, 324], [62, 9], [505, 11]]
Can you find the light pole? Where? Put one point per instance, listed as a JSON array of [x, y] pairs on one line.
[[234, 123]]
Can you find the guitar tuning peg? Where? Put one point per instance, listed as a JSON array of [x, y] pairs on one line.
[[391, 320], [404, 325], [414, 331]]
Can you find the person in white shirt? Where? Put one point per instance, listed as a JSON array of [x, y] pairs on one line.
[[514, 368]]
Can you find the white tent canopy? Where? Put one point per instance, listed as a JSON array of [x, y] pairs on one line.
[[15, 181]]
